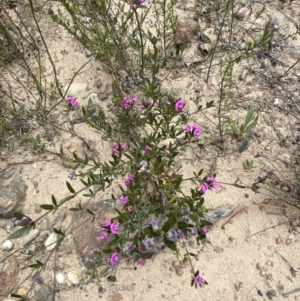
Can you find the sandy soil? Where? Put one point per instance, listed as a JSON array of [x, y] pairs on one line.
[[257, 250]]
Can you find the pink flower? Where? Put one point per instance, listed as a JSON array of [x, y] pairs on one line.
[[116, 153], [133, 6], [129, 179], [193, 129], [141, 262], [213, 182], [179, 105], [198, 280], [129, 209], [146, 148], [166, 102], [110, 16], [126, 106], [149, 102], [204, 230], [123, 146], [134, 100], [204, 187], [114, 228], [106, 224], [103, 235], [123, 199], [142, 1], [114, 258]]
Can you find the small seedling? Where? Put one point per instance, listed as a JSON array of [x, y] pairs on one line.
[[249, 165]]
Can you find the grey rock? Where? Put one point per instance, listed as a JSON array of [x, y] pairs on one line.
[[44, 293], [213, 215], [8, 275], [33, 234], [12, 194]]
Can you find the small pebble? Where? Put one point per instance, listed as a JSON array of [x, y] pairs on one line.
[[270, 263], [179, 271], [278, 241], [288, 241], [7, 245], [22, 291], [218, 249], [192, 243], [117, 297], [176, 263], [259, 266], [271, 294], [269, 276]]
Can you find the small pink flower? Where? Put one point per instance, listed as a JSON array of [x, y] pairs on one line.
[[198, 280], [126, 106], [166, 102], [106, 224], [123, 146], [142, 1], [134, 100], [149, 102], [133, 6], [123, 199], [188, 128], [204, 187], [182, 235], [116, 153], [114, 228], [127, 182], [103, 235], [130, 177], [114, 258], [141, 262], [115, 145], [179, 105], [146, 148], [204, 230], [129, 209], [214, 183]]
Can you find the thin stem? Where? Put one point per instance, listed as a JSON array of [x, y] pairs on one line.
[[141, 38]]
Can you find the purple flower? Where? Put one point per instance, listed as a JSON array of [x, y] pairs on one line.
[[193, 231], [115, 145], [188, 129], [126, 106], [141, 262], [166, 102], [133, 6], [114, 258], [182, 235], [110, 16], [114, 228], [204, 230], [204, 187], [123, 199], [134, 100], [179, 105], [71, 101], [146, 148], [129, 209], [149, 244], [116, 153], [213, 182], [149, 102], [123, 146], [129, 179], [142, 1], [194, 130], [106, 224], [172, 235], [198, 280], [153, 224], [103, 235]]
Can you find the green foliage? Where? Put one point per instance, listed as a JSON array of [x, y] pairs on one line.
[[249, 165], [249, 124]]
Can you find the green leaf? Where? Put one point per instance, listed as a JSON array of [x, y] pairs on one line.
[[36, 265], [249, 116], [18, 215], [75, 209], [170, 244], [47, 207], [233, 126], [54, 201], [70, 197], [58, 231], [252, 125], [71, 189], [19, 233]]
